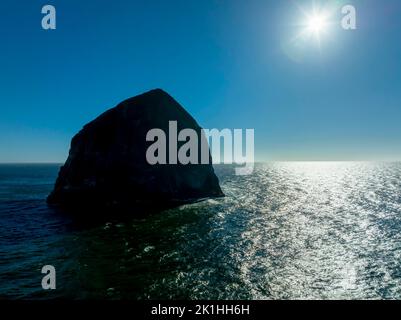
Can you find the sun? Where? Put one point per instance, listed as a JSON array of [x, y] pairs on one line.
[[313, 28], [316, 23]]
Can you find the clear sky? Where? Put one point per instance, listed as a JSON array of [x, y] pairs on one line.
[[230, 63]]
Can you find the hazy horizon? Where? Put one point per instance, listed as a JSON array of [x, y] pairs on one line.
[[216, 164]]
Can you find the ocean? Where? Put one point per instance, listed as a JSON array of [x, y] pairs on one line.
[[291, 230]]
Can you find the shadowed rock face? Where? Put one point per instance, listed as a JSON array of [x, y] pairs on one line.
[[107, 163]]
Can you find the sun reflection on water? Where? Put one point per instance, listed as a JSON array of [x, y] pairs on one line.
[[316, 229]]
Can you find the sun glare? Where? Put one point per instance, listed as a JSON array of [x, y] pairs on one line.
[[316, 23], [313, 29]]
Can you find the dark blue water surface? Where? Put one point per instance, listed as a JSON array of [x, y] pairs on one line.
[[300, 230]]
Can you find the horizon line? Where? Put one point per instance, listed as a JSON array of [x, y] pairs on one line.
[[256, 162]]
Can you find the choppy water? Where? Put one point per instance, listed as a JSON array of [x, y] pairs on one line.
[[289, 231]]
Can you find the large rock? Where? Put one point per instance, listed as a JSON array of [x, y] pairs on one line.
[[107, 163]]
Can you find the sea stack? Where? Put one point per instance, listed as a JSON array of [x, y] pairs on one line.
[[107, 164]]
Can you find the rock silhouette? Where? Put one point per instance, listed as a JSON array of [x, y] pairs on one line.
[[107, 164]]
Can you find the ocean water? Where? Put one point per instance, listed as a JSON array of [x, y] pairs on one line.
[[301, 230]]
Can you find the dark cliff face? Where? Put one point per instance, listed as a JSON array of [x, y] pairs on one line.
[[107, 163]]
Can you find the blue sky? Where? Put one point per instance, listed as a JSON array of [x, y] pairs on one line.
[[230, 63]]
